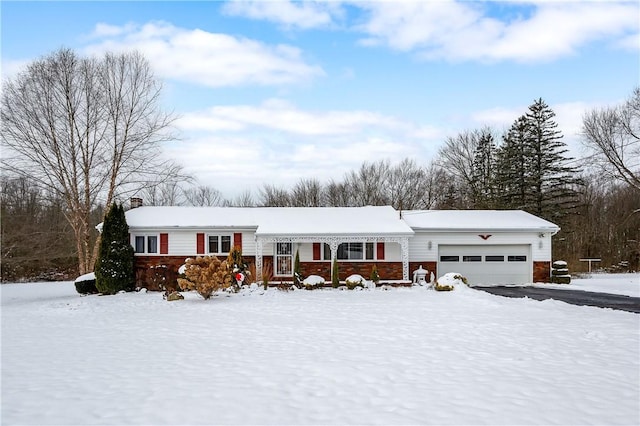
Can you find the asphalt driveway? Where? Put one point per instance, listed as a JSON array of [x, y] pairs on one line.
[[574, 297]]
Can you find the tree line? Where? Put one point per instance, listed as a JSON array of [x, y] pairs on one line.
[[81, 133]]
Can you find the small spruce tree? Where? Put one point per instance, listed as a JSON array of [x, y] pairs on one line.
[[375, 277], [335, 274], [114, 266], [297, 277]]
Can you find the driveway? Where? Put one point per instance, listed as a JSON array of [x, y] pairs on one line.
[[575, 297]]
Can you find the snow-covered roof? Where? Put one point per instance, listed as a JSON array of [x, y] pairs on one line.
[[370, 220], [473, 220]]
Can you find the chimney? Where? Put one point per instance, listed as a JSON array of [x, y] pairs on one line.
[[135, 202]]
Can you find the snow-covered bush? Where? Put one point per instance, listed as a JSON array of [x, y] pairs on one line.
[[450, 281], [205, 274], [313, 282], [560, 272], [86, 284], [354, 281]]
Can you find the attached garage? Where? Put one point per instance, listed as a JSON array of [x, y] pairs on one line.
[[487, 264], [486, 246]]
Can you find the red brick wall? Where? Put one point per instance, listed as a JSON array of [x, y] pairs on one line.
[[541, 272]]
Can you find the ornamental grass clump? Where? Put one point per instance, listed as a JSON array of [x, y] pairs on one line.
[[206, 275]]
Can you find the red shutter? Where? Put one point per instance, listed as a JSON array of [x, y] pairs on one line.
[[199, 243], [164, 243], [237, 240], [380, 250], [316, 251]]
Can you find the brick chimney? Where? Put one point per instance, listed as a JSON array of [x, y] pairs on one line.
[[135, 202]]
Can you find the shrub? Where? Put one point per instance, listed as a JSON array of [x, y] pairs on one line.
[[313, 281], [335, 274], [450, 281], [375, 277], [267, 274], [114, 266], [354, 281], [297, 276], [205, 275], [161, 278], [86, 284], [240, 274]]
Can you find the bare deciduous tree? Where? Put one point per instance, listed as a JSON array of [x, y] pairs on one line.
[[203, 196], [87, 129], [613, 135], [272, 196]]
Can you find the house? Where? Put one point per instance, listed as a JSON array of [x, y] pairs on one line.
[[485, 246]]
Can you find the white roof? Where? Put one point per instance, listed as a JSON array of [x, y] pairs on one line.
[[473, 220], [370, 220]]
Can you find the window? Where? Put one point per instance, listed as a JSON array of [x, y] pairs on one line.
[[472, 258], [350, 251], [326, 251], [284, 259], [517, 258], [494, 258], [369, 251], [139, 245], [152, 244], [219, 243], [145, 244], [449, 258]]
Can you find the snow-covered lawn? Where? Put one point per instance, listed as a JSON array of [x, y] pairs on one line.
[[404, 356], [626, 284]]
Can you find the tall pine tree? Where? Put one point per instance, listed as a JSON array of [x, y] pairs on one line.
[[512, 175], [483, 171], [553, 181], [114, 266], [532, 171]]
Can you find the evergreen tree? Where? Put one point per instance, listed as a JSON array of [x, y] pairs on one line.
[[297, 275], [114, 265], [483, 171], [512, 180], [532, 171], [553, 182]]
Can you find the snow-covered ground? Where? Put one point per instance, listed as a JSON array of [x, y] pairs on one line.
[[403, 356], [626, 284]]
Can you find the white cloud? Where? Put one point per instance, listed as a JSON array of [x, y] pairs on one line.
[[235, 147], [10, 68], [463, 31], [210, 59], [304, 15]]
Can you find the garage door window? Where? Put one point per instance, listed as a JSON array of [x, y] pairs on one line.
[[472, 258], [449, 258], [517, 258], [494, 258]]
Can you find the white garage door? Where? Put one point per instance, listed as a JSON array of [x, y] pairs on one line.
[[487, 264]]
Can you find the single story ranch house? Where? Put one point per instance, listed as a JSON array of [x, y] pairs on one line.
[[492, 247]]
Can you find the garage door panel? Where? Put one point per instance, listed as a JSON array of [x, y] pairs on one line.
[[508, 264]]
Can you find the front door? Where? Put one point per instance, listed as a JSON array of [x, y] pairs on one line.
[[284, 259]]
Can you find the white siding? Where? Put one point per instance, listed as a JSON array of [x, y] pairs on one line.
[[182, 243]]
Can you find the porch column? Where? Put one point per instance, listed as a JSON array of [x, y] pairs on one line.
[[404, 244], [258, 259], [333, 245]]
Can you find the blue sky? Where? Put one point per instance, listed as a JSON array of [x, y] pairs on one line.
[[271, 92]]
